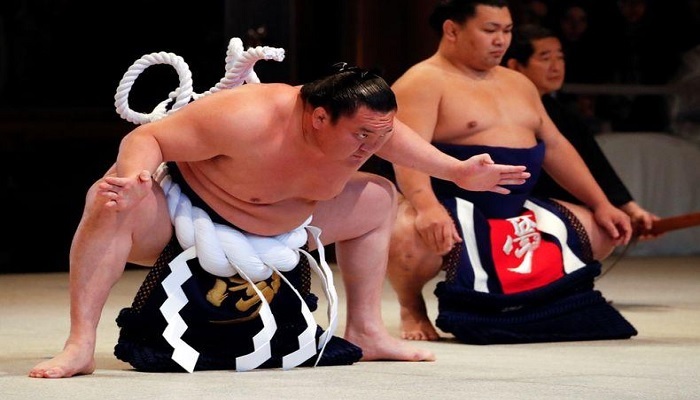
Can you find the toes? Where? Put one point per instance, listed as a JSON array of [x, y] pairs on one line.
[[412, 336]]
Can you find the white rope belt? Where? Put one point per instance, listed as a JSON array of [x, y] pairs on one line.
[[224, 251]]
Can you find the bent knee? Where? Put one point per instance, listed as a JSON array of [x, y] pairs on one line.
[[94, 202], [407, 249], [380, 192], [385, 186], [411, 261], [602, 245]]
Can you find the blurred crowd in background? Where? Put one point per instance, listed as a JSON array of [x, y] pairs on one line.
[[648, 46], [631, 65]]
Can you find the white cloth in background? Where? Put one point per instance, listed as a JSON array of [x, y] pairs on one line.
[[662, 172]]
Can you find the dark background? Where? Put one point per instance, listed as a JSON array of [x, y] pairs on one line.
[[61, 62]]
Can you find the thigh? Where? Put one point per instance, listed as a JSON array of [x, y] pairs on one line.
[[152, 228], [367, 202]]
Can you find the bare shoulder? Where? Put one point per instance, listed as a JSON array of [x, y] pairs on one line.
[[510, 74], [420, 86], [419, 75], [250, 97], [248, 113], [246, 104], [514, 79]]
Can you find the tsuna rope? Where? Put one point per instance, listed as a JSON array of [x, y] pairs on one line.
[[222, 250], [239, 69]]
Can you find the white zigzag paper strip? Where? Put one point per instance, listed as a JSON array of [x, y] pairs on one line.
[[326, 275], [262, 351], [183, 353], [306, 339]]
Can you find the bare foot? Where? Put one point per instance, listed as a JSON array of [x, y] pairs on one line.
[[73, 360], [415, 325], [382, 346]]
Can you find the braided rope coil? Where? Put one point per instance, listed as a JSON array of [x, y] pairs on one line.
[[239, 69], [221, 247]]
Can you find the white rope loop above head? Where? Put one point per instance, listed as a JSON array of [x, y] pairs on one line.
[[240, 63], [184, 91], [239, 69]]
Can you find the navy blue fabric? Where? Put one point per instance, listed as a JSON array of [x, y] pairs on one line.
[[494, 205], [566, 309], [210, 330]]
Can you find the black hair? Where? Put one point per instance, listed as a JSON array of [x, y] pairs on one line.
[[521, 47], [458, 11], [348, 88]]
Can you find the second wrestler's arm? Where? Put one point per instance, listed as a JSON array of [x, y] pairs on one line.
[[432, 222], [566, 166], [419, 109]]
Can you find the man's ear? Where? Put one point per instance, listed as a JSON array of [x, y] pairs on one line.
[[319, 117], [512, 63], [449, 29]]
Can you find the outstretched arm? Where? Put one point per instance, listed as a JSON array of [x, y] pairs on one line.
[[479, 173]]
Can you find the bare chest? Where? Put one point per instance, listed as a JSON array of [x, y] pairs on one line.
[[270, 180], [487, 114]]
